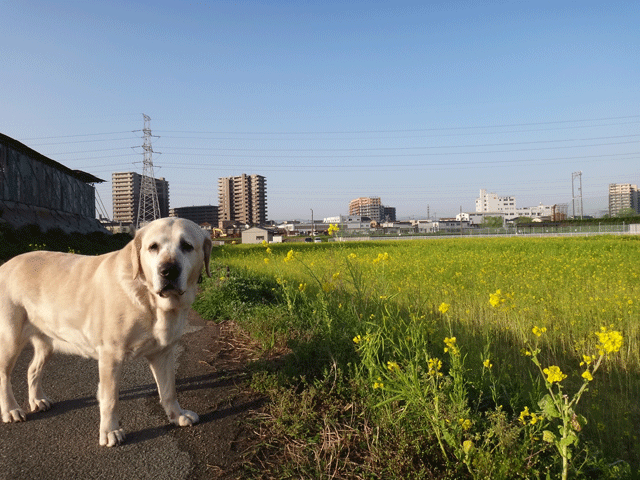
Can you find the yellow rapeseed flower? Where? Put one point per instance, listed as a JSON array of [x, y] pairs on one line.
[[382, 257], [444, 308], [610, 341], [587, 375], [333, 228], [465, 423], [586, 360], [393, 366], [495, 299], [357, 339], [524, 415], [451, 345], [554, 374], [535, 418], [487, 363], [434, 367], [539, 331], [289, 256]]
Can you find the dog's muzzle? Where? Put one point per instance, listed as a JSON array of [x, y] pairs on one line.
[[170, 276]]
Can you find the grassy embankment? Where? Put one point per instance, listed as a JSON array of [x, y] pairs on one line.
[[469, 358]]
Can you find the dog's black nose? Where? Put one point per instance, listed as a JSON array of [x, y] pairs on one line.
[[170, 271]]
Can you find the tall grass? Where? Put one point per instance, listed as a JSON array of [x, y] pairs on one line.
[[382, 314]]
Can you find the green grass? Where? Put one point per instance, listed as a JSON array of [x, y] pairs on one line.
[[365, 324]]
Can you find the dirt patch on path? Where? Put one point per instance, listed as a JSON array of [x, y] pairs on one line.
[[213, 381]]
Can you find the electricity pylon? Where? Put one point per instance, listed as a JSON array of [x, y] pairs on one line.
[[148, 206]]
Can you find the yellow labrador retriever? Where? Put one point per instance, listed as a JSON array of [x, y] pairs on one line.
[[125, 304]]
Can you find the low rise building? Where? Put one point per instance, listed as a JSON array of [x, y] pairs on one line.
[[257, 235], [198, 214], [492, 203]]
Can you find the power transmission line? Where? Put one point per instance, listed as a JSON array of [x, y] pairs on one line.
[[558, 122]]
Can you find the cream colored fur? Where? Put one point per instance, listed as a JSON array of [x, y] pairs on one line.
[[125, 304]]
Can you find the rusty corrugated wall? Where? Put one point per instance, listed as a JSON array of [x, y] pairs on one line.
[[26, 180], [35, 189]]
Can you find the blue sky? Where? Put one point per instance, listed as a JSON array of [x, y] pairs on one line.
[[419, 103]]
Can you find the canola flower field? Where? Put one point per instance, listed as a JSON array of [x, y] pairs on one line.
[[534, 339]]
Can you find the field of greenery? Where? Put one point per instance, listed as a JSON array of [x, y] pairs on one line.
[[444, 358]]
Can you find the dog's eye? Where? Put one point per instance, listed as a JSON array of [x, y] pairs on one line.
[[153, 247], [186, 246]]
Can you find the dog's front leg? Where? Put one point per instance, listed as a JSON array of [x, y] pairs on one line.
[[110, 367], [163, 369]]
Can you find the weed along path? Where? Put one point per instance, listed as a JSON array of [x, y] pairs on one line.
[[63, 442]]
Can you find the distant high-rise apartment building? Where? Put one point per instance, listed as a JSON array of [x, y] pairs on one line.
[[372, 208], [243, 199], [623, 196], [125, 193], [356, 206], [389, 214], [199, 214]]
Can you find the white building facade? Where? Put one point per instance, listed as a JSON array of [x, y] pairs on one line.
[[623, 196], [492, 203]]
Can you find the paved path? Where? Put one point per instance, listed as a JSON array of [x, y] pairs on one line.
[[63, 442]]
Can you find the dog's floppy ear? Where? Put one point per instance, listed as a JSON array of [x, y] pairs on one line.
[[136, 245], [206, 247]]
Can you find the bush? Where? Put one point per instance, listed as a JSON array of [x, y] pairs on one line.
[[30, 237]]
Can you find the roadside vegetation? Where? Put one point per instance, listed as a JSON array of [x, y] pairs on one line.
[[16, 241], [443, 358]]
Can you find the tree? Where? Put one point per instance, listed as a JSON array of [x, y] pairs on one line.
[[627, 212], [492, 222]]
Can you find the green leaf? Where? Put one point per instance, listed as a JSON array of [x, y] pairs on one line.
[[567, 441], [548, 407], [548, 436]]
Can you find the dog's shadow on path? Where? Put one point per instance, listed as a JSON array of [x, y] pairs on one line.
[[204, 383]]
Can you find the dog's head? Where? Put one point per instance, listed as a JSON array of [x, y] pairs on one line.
[[168, 255]]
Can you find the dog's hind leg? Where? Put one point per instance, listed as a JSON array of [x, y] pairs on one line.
[[42, 350], [12, 341]]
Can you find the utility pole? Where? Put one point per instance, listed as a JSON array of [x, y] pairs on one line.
[[148, 206], [313, 227], [577, 175]]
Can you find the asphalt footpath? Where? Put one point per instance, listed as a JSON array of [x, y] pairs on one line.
[[63, 442]]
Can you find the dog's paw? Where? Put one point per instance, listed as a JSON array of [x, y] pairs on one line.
[[187, 418], [112, 438], [40, 404], [12, 416]]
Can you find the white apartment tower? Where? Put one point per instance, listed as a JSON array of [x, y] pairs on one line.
[[623, 196]]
